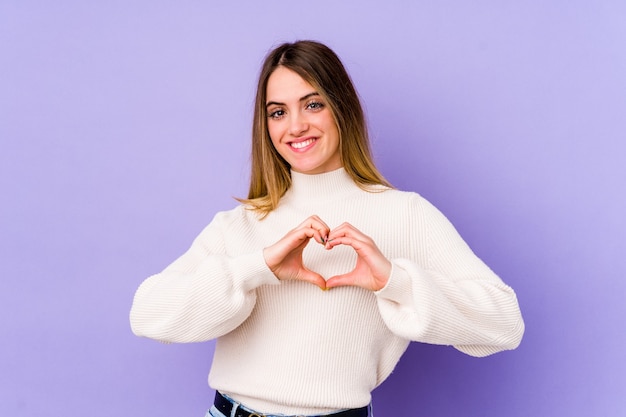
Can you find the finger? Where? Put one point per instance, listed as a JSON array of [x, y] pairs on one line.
[[293, 241], [319, 235], [347, 234], [322, 229], [313, 278], [310, 229], [314, 222], [357, 245], [340, 281], [347, 230], [319, 228], [378, 265]]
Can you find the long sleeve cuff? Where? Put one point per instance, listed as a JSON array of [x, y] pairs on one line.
[[399, 288], [251, 271]]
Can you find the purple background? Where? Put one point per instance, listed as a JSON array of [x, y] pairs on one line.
[[125, 125]]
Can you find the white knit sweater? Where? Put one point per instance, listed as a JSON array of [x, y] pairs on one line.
[[288, 347]]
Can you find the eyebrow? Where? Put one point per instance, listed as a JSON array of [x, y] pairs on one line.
[[275, 103]]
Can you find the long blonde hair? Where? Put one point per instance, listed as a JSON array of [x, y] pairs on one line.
[[321, 67]]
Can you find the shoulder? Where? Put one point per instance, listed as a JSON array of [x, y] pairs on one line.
[[241, 213], [227, 223], [408, 203], [395, 196]]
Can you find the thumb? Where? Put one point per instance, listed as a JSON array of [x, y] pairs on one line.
[[340, 281], [312, 277]]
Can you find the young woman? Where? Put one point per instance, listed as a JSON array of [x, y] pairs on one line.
[[315, 285]]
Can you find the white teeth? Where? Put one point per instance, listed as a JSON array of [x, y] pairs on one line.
[[300, 145]]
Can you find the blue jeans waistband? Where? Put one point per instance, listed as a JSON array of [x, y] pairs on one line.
[[225, 406]]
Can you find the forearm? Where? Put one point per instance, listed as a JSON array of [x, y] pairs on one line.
[[477, 315], [211, 299]]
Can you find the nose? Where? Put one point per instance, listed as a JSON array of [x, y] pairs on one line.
[[298, 124]]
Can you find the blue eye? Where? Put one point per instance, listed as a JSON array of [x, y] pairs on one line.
[[315, 105], [276, 114]]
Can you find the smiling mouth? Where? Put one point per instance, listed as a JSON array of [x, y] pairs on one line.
[[303, 144]]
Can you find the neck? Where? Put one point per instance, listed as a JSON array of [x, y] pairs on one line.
[[325, 186]]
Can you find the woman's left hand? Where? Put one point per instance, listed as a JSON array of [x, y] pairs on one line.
[[372, 269]]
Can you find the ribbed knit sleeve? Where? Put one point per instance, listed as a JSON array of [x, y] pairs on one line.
[[286, 347], [450, 297], [203, 294]]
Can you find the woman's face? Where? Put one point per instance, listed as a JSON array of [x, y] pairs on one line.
[[300, 124]]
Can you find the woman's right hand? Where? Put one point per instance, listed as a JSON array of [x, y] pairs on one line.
[[284, 258]]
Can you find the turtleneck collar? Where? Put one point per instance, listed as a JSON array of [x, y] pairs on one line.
[[318, 187]]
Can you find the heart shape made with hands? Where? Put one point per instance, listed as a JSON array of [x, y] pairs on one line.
[[284, 258]]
